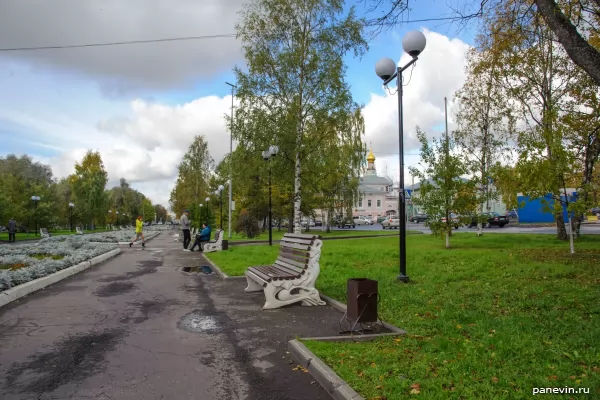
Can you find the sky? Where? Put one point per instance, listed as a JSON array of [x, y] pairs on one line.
[[140, 105]]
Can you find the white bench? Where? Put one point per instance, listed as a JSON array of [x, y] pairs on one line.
[[291, 278], [78, 230], [192, 237], [214, 245], [44, 233]]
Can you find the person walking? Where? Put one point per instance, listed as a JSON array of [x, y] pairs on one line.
[[139, 231], [185, 228], [12, 230], [202, 237]]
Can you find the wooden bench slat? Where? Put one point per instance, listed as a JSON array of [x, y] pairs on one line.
[[297, 260], [259, 273], [297, 241], [289, 272], [277, 273], [302, 236], [292, 264], [294, 246]]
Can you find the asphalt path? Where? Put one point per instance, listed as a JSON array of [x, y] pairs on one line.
[[137, 327], [593, 229]]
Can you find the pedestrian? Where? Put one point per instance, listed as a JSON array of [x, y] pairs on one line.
[[202, 237], [185, 227], [139, 227], [12, 230]]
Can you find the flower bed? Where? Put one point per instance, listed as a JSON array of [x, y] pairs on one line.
[[23, 263]]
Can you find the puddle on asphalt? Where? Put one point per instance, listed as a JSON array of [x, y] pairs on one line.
[[197, 323]]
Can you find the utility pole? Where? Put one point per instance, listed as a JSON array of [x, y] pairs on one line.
[[447, 151], [230, 159]]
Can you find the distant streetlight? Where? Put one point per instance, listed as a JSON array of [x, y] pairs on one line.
[[71, 205], [35, 200], [220, 192], [267, 156], [413, 43], [201, 205], [230, 155], [207, 209]]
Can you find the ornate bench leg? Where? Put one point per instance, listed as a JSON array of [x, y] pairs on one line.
[[252, 286], [314, 299]]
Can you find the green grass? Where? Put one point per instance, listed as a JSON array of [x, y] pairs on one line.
[[26, 236], [491, 318], [277, 235]]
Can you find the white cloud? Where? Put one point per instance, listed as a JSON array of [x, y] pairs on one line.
[[438, 73]]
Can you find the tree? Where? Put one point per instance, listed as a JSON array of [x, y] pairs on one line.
[[161, 212], [88, 183], [193, 177], [295, 82], [484, 124], [443, 190], [575, 24], [537, 76]]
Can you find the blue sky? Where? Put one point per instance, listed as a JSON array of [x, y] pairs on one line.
[[140, 105]]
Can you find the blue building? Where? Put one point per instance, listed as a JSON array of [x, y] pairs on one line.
[[538, 210]]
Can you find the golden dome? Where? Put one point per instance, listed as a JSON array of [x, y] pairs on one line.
[[371, 157]]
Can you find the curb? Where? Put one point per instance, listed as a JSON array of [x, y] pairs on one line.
[[17, 292], [327, 378]]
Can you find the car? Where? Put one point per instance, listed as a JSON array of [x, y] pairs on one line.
[[491, 219], [381, 219], [454, 219], [391, 222], [369, 219], [512, 214], [420, 217], [318, 222], [344, 223], [595, 210], [361, 221]]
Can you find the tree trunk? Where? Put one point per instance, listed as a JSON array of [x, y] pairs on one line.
[[448, 237], [579, 49], [571, 241], [291, 221], [297, 186], [561, 229]]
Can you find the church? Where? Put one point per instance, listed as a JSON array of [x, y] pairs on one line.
[[378, 196]]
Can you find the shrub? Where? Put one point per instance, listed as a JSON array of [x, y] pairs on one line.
[[247, 225]]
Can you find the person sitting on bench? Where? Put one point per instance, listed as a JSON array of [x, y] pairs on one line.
[[203, 236]]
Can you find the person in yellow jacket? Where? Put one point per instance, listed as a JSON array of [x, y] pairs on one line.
[[139, 226]]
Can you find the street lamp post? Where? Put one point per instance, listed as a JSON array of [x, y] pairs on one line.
[[200, 217], [71, 205], [413, 43], [267, 156], [207, 209], [35, 200], [220, 192], [230, 154]]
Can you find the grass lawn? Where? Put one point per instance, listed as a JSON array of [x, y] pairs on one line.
[[25, 236], [277, 235], [492, 318]]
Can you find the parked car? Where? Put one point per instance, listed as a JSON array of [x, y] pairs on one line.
[[361, 221], [491, 219], [595, 210], [344, 223], [369, 219], [381, 219], [454, 219], [512, 214], [318, 222], [420, 217], [391, 222]]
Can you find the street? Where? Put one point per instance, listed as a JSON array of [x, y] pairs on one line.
[[136, 327], [592, 229]]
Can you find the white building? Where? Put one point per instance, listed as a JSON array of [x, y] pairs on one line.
[[378, 197]]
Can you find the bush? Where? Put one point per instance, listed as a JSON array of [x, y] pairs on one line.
[[247, 225]]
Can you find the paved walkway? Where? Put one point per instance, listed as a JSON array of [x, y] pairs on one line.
[[136, 327]]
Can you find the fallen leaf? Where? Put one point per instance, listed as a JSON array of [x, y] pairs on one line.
[[572, 377], [397, 340], [553, 377], [378, 387], [373, 365], [415, 388], [458, 326], [494, 379]]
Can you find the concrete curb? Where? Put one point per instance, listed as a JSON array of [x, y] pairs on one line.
[[327, 378], [17, 292]]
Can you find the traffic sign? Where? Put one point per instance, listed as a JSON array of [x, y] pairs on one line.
[[408, 193]]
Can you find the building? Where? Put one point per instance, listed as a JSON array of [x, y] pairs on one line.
[[377, 195]]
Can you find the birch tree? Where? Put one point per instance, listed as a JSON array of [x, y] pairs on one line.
[[295, 52], [484, 124], [443, 190]]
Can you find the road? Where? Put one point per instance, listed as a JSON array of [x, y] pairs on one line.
[[137, 327], [593, 229]]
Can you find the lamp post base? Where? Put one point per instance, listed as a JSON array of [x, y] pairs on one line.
[[402, 278]]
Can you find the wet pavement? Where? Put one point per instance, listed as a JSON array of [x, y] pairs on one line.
[[136, 327]]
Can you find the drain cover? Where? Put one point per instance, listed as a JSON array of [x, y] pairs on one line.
[[198, 323]]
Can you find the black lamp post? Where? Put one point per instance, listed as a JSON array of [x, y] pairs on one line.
[[413, 43], [71, 205], [35, 200], [267, 156], [200, 216]]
